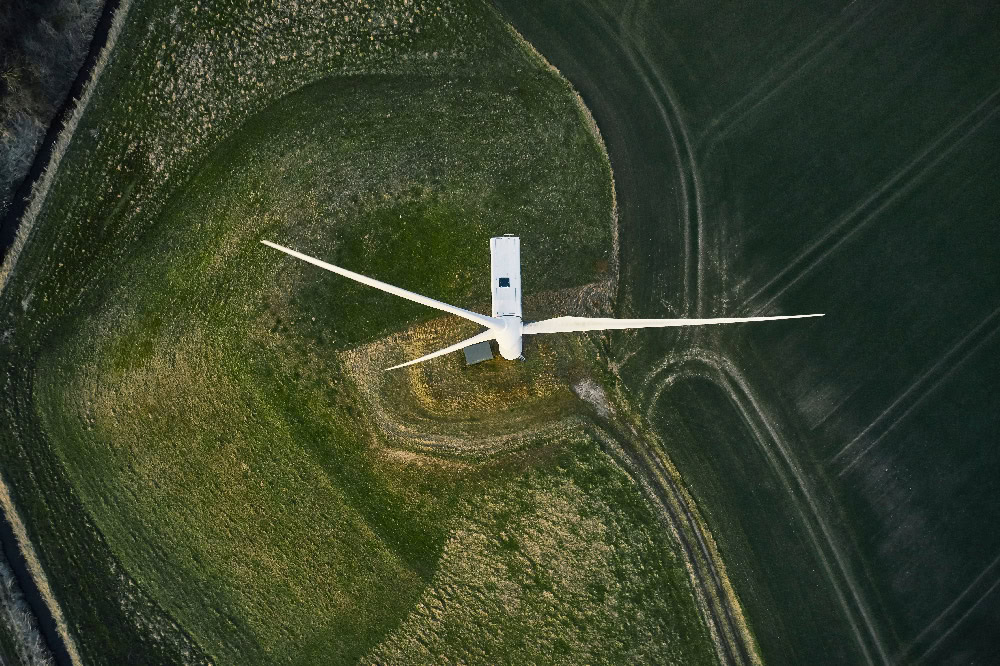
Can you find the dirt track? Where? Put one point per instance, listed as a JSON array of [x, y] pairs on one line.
[[57, 638]]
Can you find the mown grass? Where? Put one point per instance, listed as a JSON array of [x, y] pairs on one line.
[[559, 551], [186, 418], [189, 341]]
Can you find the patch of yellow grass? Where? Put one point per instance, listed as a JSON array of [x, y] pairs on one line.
[[445, 406], [243, 509]]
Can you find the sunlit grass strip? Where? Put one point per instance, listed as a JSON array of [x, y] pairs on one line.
[[37, 572]]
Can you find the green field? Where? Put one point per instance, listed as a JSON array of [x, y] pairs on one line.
[[211, 462], [840, 157]]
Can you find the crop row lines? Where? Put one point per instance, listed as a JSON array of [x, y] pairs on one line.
[[723, 373], [788, 70], [923, 386], [903, 181]]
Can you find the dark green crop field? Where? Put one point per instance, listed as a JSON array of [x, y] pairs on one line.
[[197, 430], [837, 157]]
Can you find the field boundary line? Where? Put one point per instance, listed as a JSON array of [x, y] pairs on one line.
[[40, 189], [948, 609], [13, 518], [919, 383], [684, 156], [907, 177], [643, 458]]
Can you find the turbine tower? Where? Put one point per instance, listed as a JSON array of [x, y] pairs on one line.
[[506, 326]]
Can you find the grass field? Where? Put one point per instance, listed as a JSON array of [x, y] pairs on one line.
[[834, 158], [211, 464]]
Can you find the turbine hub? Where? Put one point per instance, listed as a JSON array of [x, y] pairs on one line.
[[509, 338]]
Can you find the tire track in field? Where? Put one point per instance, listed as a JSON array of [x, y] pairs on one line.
[[922, 387], [713, 594], [958, 622], [903, 181], [990, 572], [835, 407], [723, 373], [669, 112], [792, 68], [687, 165]]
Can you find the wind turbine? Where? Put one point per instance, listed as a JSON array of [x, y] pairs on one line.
[[505, 326]]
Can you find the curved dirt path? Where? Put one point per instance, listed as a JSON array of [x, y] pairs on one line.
[[723, 373], [14, 229]]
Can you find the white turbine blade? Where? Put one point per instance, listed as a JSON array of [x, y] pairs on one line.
[[576, 324], [480, 319], [482, 337]]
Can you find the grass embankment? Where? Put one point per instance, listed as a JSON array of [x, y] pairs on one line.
[[839, 158], [203, 463]]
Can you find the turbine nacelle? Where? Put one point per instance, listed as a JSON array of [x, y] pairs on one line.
[[505, 326]]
